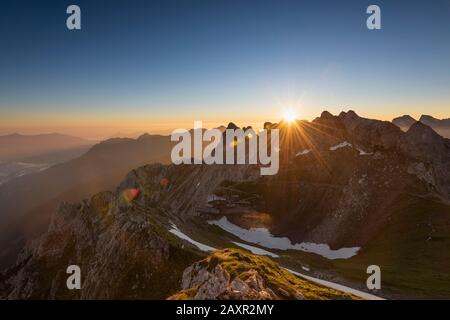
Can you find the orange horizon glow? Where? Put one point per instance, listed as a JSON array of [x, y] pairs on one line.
[[100, 126]]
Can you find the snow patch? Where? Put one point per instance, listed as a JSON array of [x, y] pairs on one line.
[[203, 247], [340, 145], [363, 153], [337, 286], [303, 152], [255, 250], [306, 268], [264, 238], [213, 197]]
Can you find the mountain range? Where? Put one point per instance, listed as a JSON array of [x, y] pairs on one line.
[[16, 146], [28, 201], [351, 192], [24, 154], [441, 126]]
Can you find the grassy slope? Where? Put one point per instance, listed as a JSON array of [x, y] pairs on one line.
[[412, 251]]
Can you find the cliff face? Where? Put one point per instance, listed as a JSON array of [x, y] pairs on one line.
[[124, 251], [424, 145]]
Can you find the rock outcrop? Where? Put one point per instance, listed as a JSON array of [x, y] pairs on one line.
[[369, 132], [234, 274], [422, 143]]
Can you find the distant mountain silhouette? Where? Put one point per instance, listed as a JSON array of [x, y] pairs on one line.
[[435, 123], [28, 202], [441, 126], [119, 134], [24, 154], [15, 146], [404, 122]]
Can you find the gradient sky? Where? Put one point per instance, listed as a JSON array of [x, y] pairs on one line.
[[157, 65]]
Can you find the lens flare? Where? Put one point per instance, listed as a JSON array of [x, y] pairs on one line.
[[289, 115], [130, 194]]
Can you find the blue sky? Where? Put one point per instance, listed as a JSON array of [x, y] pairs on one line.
[[169, 62]]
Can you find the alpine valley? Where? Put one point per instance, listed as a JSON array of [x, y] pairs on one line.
[[350, 192]]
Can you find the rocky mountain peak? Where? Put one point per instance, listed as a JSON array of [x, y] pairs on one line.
[[144, 136], [421, 133], [268, 125], [435, 123], [348, 115], [422, 143], [326, 115], [232, 126], [404, 122], [441, 126], [424, 118]]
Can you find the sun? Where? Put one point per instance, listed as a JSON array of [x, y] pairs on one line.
[[289, 115]]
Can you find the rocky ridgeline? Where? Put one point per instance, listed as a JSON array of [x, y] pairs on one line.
[[124, 251], [343, 177], [420, 144], [441, 126]]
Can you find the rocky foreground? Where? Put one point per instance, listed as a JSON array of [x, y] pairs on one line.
[[235, 274]]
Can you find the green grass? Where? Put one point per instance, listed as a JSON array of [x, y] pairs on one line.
[[412, 251], [238, 263]]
